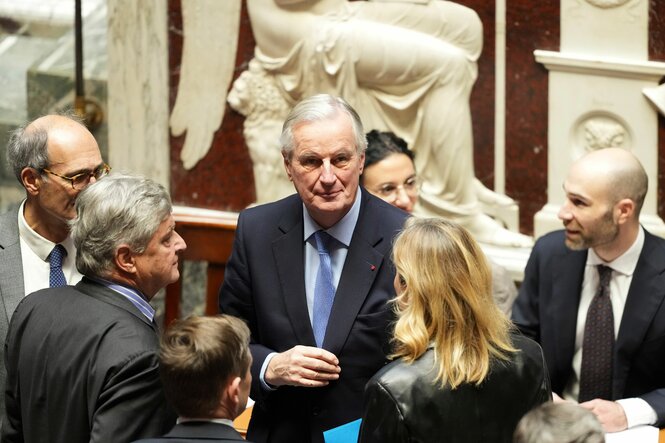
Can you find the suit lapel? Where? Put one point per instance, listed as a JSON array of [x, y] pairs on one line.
[[361, 267], [111, 297], [646, 293], [566, 290], [11, 271], [288, 252]]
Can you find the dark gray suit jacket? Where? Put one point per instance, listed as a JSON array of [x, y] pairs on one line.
[[264, 284], [11, 284], [193, 431], [546, 310], [82, 366]]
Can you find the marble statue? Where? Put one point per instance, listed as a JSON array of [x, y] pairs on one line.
[[406, 66]]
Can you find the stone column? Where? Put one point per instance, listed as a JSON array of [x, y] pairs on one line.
[[138, 91]]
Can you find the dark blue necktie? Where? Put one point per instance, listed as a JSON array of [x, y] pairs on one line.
[[55, 258], [324, 290], [598, 343]]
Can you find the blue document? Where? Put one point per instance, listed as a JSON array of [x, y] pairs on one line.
[[347, 433]]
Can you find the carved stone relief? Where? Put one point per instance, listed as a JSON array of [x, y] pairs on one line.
[[598, 131], [257, 96]]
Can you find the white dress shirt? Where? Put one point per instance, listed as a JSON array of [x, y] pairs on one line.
[[637, 411], [34, 252]]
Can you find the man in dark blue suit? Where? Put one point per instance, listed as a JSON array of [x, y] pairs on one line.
[[204, 366], [562, 292], [311, 360]]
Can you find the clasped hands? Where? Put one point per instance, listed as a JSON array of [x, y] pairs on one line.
[[304, 366], [610, 414]]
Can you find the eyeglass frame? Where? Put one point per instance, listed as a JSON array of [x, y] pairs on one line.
[[411, 189], [99, 172]]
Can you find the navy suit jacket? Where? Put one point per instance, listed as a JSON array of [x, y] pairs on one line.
[[546, 310], [264, 284], [193, 431]]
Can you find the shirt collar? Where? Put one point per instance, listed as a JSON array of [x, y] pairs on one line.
[[626, 262], [222, 421], [133, 295], [41, 246], [342, 231]]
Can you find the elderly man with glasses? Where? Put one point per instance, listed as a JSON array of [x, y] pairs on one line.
[[54, 158]]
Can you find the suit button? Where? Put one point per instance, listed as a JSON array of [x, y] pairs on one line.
[[316, 410]]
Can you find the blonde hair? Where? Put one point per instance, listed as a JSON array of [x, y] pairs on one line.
[[446, 299]]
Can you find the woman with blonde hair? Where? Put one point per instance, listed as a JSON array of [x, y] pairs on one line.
[[461, 374]]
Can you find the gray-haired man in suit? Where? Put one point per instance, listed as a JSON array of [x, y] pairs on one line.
[[82, 362], [54, 158]]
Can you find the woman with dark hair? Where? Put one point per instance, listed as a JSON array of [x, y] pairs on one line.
[[389, 171], [390, 174], [460, 372]]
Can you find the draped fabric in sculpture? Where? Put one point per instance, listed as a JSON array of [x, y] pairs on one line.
[[407, 67]]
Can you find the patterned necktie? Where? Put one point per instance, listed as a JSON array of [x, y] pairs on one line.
[[324, 289], [57, 277], [598, 345]]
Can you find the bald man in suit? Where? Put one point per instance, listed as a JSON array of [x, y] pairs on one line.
[[53, 157], [605, 191]]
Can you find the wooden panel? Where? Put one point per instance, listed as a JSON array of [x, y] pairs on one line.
[[207, 240]]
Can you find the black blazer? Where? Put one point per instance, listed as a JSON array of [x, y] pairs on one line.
[[193, 431], [264, 284], [403, 403], [82, 366], [546, 310]]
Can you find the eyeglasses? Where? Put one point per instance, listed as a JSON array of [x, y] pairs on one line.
[[389, 190], [80, 181]]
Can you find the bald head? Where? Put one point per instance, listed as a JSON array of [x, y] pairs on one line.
[[28, 145], [618, 172]]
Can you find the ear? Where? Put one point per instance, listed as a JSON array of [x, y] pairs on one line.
[[232, 394], [362, 162], [31, 180], [624, 210], [402, 282], [287, 165], [124, 259]]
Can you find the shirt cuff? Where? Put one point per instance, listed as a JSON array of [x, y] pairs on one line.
[[638, 412], [264, 367]]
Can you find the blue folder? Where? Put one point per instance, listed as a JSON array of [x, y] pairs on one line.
[[347, 433]]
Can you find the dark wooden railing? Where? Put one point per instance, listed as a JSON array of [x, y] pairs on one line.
[[209, 237]]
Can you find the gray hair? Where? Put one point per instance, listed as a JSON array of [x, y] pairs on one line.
[[118, 209], [320, 107], [559, 423], [28, 145]]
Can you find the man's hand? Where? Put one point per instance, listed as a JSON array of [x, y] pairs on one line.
[[610, 414], [303, 366]]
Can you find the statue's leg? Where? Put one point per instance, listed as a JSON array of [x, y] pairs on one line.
[[447, 21]]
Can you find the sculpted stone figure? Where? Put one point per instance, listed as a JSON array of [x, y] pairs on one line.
[[407, 67]]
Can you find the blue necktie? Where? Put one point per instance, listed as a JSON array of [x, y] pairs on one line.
[[57, 277], [324, 289]]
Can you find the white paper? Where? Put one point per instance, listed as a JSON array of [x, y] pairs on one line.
[[641, 434]]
